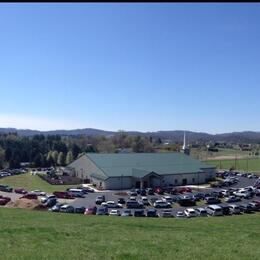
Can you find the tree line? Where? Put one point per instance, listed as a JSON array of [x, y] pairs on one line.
[[56, 150]]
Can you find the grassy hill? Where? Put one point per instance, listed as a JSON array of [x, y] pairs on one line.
[[42, 235], [32, 182], [239, 164]]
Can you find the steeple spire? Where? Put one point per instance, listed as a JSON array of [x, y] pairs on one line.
[[184, 141], [185, 149]]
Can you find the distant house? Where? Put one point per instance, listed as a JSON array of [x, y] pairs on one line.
[[128, 170]]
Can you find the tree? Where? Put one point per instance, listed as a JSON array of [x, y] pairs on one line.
[[61, 159], [69, 157], [49, 159], [38, 160], [54, 156], [75, 150], [2, 157]]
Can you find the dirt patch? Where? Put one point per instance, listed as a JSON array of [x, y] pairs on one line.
[[121, 194], [61, 180], [26, 204]]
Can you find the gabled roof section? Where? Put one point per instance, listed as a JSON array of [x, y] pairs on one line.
[[141, 164]]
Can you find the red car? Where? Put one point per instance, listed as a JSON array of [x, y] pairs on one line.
[[184, 189], [256, 202], [20, 191], [91, 211], [159, 190], [29, 197], [63, 195], [4, 200]]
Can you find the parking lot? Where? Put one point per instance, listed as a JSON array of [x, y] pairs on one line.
[[89, 200]]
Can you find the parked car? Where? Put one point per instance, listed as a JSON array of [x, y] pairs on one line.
[[29, 196], [4, 200], [201, 212], [167, 199], [184, 189], [180, 214], [115, 212], [159, 191], [91, 211], [38, 192], [232, 199], [151, 213], [131, 204], [255, 206], [150, 191], [56, 208], [186, 202], [214, 210], [77, 193], [126, 213], [190, 213], [45, 198], [20, 191], [86, 190], [165, 213], [67, 209], [144, 200], [100, 199], [5, 188], [161, 204], [234, 209], [226, 210], [246, 208], [121, 201], [80, 210], [50, 202], [243, 194], [63, 195], [212, 200], [102, 211], [111, 204], [139, 213]]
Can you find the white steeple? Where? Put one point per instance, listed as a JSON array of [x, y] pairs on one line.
[[184, 141], [185, 149]]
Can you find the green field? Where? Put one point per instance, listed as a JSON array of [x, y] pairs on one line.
[[206, 155], [239, 164], [42, 235], [32, 182]]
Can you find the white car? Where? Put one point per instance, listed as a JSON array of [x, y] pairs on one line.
[[144, 201], [180, 214], [111, 204], [114, 212], [167, 199], [161, 204], [234, 209], [242, 194], [45, 198], [165, 213], [38, 192], [190, 213]]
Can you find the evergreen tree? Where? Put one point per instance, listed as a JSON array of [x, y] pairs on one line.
[[61, 159], [69, 157]]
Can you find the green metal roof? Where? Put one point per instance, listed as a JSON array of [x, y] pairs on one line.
[[141, 164]]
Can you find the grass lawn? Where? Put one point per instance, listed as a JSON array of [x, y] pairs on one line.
[[241, 164], [42, 235], [206, 155], [32, 182]]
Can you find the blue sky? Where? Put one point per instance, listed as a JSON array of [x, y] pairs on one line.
[[143, 67]]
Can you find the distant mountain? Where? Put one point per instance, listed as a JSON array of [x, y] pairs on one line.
[[175, 136]]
